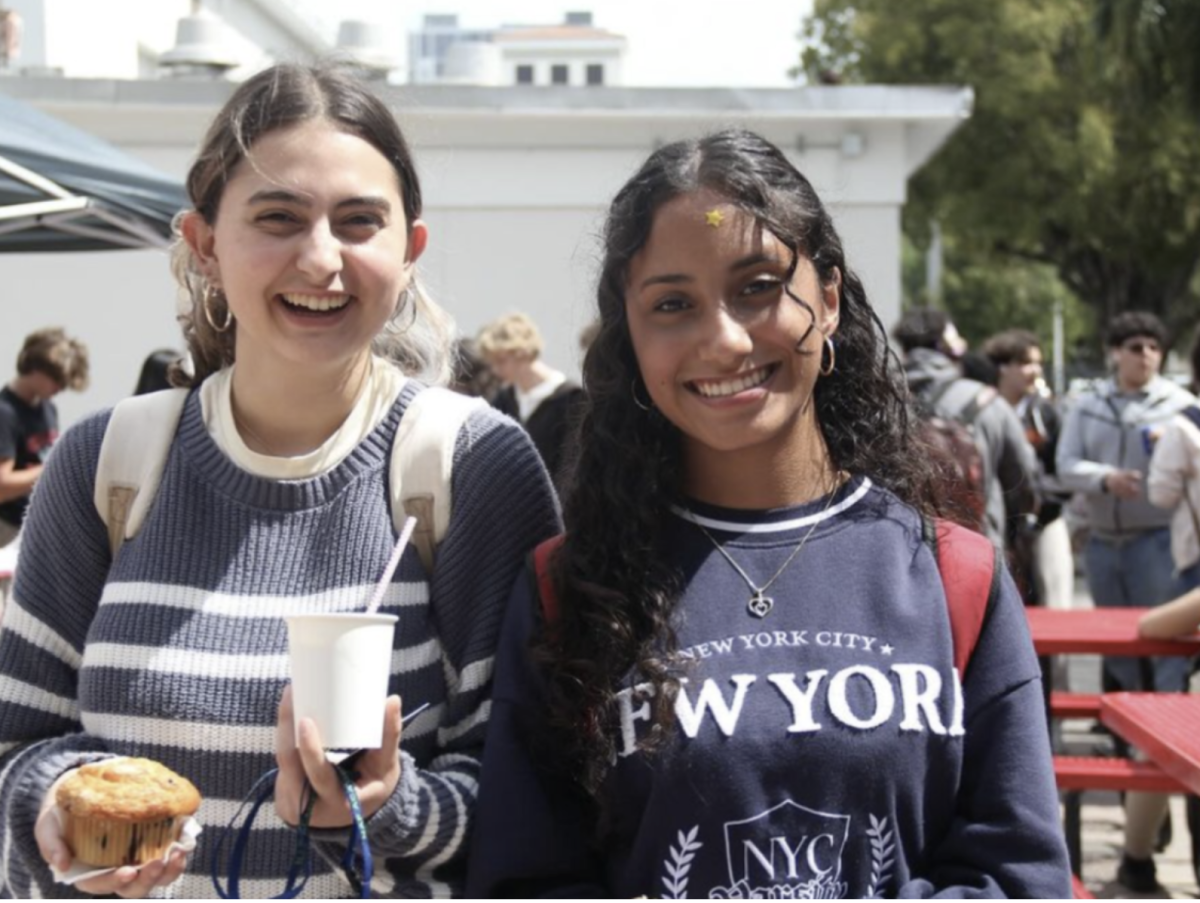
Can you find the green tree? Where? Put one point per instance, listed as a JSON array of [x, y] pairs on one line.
[[989, 295], [1156, 44], [1060, 165]]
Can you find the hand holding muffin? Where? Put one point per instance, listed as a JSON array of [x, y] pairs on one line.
[[378, 769], [123, 814]]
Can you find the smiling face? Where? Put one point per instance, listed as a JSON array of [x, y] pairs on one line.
[[310, 246], [716, 334]]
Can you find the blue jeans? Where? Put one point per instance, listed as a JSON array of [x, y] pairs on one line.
[[1136, 574]]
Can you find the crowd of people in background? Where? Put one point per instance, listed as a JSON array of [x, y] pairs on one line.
[[1126, 450]]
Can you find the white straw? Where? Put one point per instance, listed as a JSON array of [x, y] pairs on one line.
[[414, 713], [393, 563]]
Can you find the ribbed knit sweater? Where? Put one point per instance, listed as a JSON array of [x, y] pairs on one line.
[[177, 650]]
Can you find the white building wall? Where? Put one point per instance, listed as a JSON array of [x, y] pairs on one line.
[[576, 61], [121, 303], [514, 199]]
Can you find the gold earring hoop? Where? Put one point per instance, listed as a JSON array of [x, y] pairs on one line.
[[407, 299], [646, 405], [826, 369], [211, 292]]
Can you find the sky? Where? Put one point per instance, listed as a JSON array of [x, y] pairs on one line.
[[671, 43]]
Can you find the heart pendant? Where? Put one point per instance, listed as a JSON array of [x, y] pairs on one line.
[[759, 605]]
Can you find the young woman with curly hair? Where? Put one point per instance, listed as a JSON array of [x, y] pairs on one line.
[[748, 688]]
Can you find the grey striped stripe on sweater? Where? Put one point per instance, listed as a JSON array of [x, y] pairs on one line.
[[179, 652]]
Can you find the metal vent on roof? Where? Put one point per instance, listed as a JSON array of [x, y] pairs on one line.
[[366, 45], [472, 63], [579, 18], [201, 47]]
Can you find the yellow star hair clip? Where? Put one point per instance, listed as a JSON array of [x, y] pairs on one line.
[[714, 217]]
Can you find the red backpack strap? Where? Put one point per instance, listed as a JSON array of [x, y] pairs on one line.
[[967, 563], [545, 584]]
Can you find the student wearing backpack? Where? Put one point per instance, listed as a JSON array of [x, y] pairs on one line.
[[1039, 552], [740, 679], [931, 345], [298, 263], [1104, 453]]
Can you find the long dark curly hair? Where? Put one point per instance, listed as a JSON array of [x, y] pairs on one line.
[[617, 590]]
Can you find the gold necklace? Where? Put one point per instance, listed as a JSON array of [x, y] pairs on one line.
[[246, 433], [760, 604]]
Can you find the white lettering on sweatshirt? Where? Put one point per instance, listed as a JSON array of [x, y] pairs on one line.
[[914, 695]]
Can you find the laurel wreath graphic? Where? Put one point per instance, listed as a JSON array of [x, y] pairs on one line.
[[680, 864], [883, 850]]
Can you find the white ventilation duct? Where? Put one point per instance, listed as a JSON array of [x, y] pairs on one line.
[[201, 47], [473, 63], [366, 45]]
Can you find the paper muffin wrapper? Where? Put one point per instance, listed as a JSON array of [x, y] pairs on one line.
[[184, 839], [101, 842]]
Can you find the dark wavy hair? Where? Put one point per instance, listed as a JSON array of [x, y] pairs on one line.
[[1133, 324], [616, 585]]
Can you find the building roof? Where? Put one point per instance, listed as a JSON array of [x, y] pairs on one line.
[[556, 33], [860, 102], [519, 116]]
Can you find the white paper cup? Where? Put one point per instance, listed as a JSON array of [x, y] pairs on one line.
[[340, 666]]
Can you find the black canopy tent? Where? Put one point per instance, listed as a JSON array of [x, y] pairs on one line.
[[62, 189]]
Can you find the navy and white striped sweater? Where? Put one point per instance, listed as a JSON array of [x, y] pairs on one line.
[[178, 652]]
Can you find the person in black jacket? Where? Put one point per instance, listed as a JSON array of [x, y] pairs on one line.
[[536, 395]]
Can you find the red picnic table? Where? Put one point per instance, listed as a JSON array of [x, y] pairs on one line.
[[1100, 631], [1164, 726]]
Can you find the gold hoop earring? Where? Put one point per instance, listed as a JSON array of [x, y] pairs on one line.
[[211, 292], [824, 369], [645, 406], [406, 299]]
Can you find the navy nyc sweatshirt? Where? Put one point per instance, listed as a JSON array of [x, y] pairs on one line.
[[828, 749]]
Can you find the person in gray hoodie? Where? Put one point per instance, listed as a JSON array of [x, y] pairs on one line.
[[1104, 453], [931, 345]]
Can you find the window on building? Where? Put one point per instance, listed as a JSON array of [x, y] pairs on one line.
[[524, 75], [559, 74], [595, 74]]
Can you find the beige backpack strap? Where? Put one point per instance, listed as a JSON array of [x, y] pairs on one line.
[[132, 457], [422, 459]]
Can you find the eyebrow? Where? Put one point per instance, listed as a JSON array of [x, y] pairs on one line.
[[279, 195], [680, 278]]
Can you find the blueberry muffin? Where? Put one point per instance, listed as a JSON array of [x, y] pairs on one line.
[[124, 811]]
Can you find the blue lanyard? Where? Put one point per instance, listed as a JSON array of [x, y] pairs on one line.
[[357, 862]]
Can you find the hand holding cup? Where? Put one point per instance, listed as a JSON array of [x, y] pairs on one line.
[[340, 664], [300, 754]]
